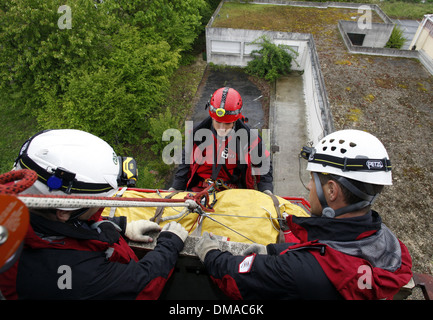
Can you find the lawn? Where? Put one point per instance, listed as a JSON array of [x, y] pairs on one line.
[[284, 18]]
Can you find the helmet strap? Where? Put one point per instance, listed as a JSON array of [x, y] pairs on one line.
[[331, 213], [326, 210]]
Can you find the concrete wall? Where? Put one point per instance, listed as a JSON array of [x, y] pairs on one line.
[[318, 111], [376, 37], [425, 42], [233, 47], [374, 50], [423, 39]]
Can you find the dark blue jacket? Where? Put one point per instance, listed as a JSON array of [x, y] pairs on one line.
[[62, 261]]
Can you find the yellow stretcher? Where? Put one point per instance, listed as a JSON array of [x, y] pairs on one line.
[[240, 215]]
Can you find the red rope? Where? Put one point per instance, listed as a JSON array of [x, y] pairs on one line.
[[9, 183], [198, 197]]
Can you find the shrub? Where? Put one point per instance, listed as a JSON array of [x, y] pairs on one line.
[[271, 61], [396, 40]]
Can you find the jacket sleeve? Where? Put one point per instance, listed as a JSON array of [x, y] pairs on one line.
[[142, 280], [182, 174], [251, 277], [266, 180], [294, 275], [263, 168]]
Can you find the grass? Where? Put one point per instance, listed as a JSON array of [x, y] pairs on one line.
[[283, 18], [308, 20], [15, 129], [404, 10], [399, 9]]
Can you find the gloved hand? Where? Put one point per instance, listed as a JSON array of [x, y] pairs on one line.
[[207, 242], [255, 248], [268, 192], [135, 230], [177, 229]]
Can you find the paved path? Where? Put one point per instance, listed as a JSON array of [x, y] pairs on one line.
[[252, 105], [287, 123], [409, 28]]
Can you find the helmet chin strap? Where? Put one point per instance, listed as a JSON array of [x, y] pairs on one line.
[[328, 212]]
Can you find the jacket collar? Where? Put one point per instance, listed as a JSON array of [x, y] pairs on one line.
[[84, 230], [346, 229]]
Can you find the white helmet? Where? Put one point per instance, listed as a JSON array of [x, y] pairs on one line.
[[70, 162], [353, 154], [350, 154]]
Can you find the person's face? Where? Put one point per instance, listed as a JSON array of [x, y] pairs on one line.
[[222, 129], [315, 206], [63, 215]]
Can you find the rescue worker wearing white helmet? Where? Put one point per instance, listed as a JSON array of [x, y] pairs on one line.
[[231, 152], [343, 251], [101, 264]]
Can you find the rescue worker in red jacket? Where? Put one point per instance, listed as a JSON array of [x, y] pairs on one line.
[[343, 251], [74, 253], [225, 149]]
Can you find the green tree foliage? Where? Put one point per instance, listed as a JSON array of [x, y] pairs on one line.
[[107, 74], [176, 21], [271, 61], [158, 125]]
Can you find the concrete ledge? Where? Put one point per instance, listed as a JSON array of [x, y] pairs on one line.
[[235, 248], [426, 60], [373, 50], [423, 58]]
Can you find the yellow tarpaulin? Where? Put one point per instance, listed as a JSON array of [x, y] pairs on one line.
[[249, 213]]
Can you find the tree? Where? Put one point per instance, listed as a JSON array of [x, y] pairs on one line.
[[36, 56], [106, 74], [115, 100], [178, 22], [271, 61]]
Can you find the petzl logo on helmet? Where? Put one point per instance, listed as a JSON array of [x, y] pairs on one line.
[[374, 164]]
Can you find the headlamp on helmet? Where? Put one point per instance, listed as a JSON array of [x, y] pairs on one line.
[[128, 171], [349, 155]]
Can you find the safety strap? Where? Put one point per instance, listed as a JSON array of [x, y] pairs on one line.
[[118, 195], [160, 210], [282, 222]]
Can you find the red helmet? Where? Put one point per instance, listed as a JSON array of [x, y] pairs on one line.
[[225, 105]]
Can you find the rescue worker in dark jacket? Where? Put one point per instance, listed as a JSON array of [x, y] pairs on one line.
[[343, 251], [229, 150], [74, 253]]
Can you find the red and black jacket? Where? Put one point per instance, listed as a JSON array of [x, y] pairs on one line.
[[354, 258], [238, 169], [99, 261]]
